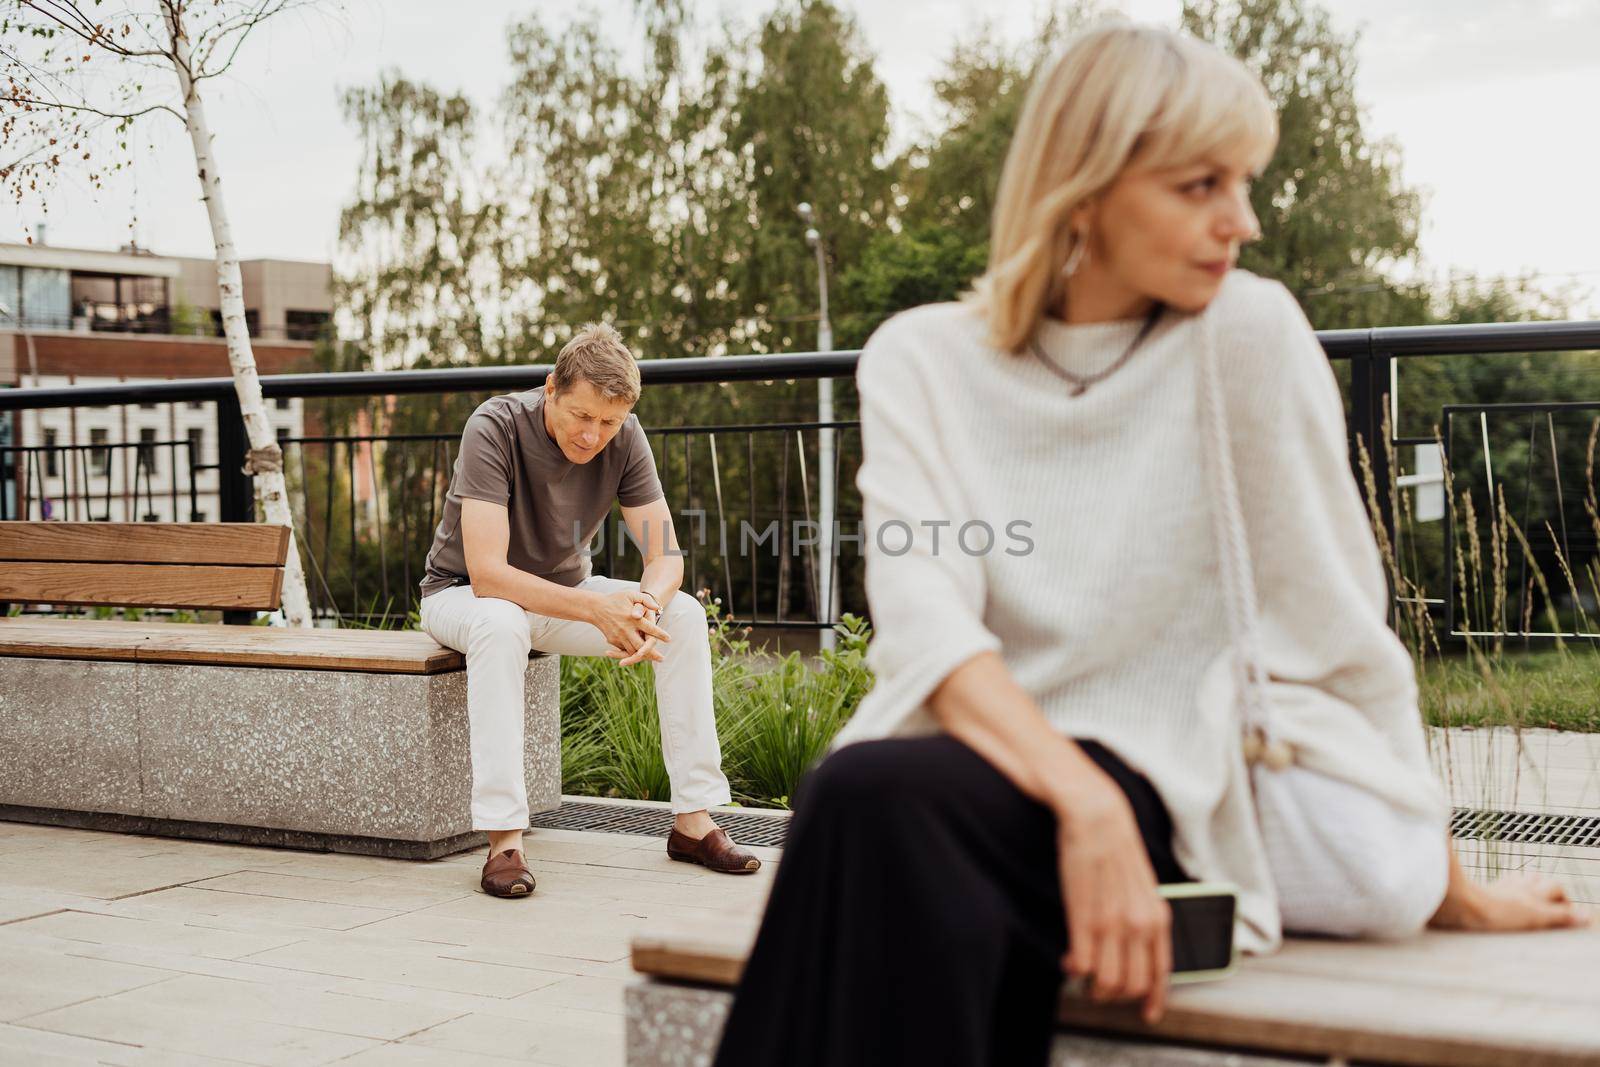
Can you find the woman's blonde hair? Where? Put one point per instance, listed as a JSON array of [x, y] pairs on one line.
[[1120, 95]]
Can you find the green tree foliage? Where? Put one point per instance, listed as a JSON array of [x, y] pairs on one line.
[[414, 281], [901, 270], [813, 124], [624, 195], [947, 182], [1335, 213], [655, 187]]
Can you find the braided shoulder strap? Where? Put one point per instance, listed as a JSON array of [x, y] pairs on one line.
[[1238, 580]]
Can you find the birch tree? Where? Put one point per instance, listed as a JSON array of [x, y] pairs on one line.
[[78, 75]]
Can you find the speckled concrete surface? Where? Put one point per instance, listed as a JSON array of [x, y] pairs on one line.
[[324, 752], [672, 1025], [679, 1025], [69, 735]]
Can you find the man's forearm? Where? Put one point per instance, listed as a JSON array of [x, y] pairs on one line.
[[662, 577], [534, 593]]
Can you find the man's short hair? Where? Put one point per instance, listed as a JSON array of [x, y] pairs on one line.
[[597, 355]]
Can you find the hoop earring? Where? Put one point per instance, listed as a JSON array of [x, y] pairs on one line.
[[1075, 257]]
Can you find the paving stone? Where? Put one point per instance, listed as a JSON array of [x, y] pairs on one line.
[[578, 1038], [39, 978], [187, 1031], [172, 937], [407, 968], [309, 915], [225, 998], [367, 893], [412, 1055], [588, 992], [109, 876]]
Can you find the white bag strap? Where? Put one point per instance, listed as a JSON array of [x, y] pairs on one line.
[[1233, 551]]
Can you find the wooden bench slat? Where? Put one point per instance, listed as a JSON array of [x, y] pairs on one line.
[[390, 651], [99, 639], [1445, 998], [1360, 1017], [143, 585], [240, 544], [382, 651]]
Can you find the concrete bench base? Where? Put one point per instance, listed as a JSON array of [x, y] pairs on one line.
[[337, 760], [111, 822], [672, 1025]]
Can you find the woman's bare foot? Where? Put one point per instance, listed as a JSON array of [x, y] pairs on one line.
[[1515, 902]]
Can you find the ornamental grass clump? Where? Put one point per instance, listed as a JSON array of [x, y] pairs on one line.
[[775, 715]]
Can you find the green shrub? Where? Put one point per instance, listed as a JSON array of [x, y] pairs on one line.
[[774, 718]]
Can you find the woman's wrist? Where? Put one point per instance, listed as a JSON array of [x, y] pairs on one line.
[[1073, 785]]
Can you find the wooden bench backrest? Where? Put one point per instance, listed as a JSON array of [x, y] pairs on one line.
[[229, 566]]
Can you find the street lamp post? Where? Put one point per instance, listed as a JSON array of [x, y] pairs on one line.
[[825, 442]]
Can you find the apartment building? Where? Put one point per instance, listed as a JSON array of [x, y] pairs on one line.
[[79, 317]]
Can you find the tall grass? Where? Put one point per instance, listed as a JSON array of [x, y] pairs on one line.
[[775, 715], [1479, 697], [1476, 680]]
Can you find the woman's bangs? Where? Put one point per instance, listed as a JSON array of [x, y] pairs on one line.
[[1214, 111]]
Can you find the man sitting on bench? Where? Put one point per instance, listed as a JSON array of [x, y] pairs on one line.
[[508, 572]]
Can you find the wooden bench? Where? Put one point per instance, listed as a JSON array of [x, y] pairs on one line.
[[344, 740], [1445, 999]]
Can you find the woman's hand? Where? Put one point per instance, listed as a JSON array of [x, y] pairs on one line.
[[1515, 902], [1119, 928]]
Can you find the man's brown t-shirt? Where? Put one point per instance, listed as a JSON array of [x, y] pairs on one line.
[[555, 506]]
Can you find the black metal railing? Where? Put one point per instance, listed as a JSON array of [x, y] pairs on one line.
[[102, 318], [364, 567], [752, 541], [125, 481]]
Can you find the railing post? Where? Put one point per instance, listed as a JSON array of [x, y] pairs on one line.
[[236, 490], [1369, 401]]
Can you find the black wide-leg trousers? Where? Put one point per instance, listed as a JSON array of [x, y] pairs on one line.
[[916, 916]]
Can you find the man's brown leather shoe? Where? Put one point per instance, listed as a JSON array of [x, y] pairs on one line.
[[715, 851], [506, 874]]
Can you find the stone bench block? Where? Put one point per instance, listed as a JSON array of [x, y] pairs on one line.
[[677, 1025], [341, 760]]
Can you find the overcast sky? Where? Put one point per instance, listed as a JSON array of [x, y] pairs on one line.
[[1493, 103]]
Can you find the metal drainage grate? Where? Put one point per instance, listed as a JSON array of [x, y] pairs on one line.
[[769, 830], [1575, 831]]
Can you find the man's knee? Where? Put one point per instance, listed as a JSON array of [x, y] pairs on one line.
[[499, 622], [683, 617], [681, 607]]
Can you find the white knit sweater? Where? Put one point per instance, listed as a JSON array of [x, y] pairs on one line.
[[1107, 608]]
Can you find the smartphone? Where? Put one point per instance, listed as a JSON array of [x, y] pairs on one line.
[[1202, 929]]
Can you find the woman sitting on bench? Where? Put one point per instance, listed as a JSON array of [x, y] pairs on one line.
[[1053, 557]]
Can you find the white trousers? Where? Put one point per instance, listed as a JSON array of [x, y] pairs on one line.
[[496, 636]]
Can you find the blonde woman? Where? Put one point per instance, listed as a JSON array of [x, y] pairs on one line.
[[1046, 741]]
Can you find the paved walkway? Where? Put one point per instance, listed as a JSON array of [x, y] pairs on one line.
[[126, 950], [139, 950]]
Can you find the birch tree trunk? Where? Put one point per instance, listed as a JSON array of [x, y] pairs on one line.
[[265, 459]]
